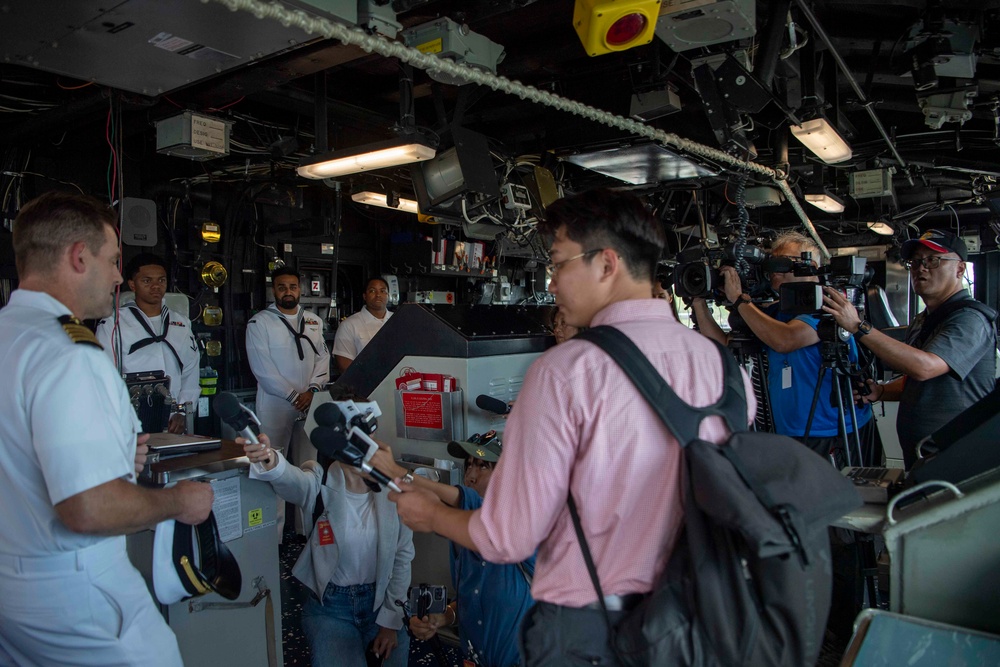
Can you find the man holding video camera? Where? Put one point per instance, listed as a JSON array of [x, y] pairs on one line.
[[948, 361], [793, 355]]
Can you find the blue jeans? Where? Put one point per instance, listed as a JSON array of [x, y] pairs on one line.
[[340, 630]]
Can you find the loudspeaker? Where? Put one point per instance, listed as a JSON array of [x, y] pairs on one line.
[[138, 222], [967, 445]]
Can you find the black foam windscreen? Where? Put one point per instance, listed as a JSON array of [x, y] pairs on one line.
[[332, 442], [490, 404], [227, 406], [329, 414]]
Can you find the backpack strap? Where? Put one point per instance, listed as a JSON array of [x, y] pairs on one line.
[[682, 419]]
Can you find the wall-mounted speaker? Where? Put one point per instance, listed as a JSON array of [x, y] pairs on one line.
[[138, 222]]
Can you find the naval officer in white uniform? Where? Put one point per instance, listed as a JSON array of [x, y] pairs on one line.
[[356, 331], [291, 362], [69, 454], [148, 336]]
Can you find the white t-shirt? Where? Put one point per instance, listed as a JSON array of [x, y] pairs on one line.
[[358, 541], [356, 332]]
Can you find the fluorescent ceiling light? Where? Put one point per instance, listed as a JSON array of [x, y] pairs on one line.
[[822, 139], [826, 202], [380, 199], [641, 164], [883, 228], [379, 155]]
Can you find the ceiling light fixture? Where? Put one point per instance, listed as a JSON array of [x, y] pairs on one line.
[[883, 228], [383, 200], [819, 136], [379, 155], [825, 201]]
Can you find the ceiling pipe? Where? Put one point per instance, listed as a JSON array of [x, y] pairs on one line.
[[770, 48], [862, 99]]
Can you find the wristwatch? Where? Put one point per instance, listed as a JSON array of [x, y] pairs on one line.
[[864, 328]]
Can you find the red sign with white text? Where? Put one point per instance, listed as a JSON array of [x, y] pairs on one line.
[[423, 410]]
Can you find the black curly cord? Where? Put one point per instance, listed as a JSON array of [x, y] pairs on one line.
[[742, 265]]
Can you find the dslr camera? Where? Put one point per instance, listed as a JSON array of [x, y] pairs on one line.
[[697, 272], [426, 599]]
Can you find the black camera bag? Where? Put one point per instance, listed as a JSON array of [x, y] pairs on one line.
[[749, 581]]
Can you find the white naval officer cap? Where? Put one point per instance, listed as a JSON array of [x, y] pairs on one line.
[[189, 561]]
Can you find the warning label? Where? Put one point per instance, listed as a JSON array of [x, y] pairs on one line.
[[423, 410]]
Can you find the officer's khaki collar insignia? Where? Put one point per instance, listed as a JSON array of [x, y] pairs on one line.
[[77, 332]]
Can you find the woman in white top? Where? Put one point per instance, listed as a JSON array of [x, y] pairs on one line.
[[357, 561]]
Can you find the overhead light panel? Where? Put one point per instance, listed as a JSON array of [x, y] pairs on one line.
[[614, 25], [380, 155], [825, 201], [385, 201], [882, 228], [819, 136]]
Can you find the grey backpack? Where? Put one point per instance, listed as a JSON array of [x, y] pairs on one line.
[[749, 581]]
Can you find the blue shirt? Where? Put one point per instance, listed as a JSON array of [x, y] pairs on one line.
[[492, 599], [790, 403]]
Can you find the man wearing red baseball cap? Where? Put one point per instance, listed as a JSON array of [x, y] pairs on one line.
[[949, 358]]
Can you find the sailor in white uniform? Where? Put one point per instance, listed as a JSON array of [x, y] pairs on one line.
[[356, 331], [291, 362], [69, 454], [148, 336]]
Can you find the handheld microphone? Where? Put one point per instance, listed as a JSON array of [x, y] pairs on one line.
[[329, 414], [237, 416], [490, 404], [344, 447]]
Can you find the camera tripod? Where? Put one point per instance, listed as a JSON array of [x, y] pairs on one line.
[[833, 352]]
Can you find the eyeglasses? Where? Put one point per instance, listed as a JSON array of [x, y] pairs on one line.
[[553, 268], [479, 464], [931, 262], [146, 282], [373, 290]]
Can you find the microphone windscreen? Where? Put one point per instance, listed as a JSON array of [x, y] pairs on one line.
[[328, 440], [227, 406], [329, 414], [490, 404]]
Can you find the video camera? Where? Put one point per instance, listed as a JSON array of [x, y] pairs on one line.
[[697, 272], [848, 274], [424, 599]]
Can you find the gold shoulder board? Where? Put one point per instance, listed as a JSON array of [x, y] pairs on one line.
[[77, 332]]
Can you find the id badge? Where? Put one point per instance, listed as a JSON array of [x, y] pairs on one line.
[[786, 377], [324, 532]]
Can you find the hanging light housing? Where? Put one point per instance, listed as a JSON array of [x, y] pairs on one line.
[[379, 155], [819, 136]]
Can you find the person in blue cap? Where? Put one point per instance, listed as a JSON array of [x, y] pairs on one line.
[[492, 599]]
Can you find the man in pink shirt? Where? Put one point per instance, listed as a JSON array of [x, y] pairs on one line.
[[579, 426]]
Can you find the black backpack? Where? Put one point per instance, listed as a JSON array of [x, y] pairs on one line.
[[749, 581]]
